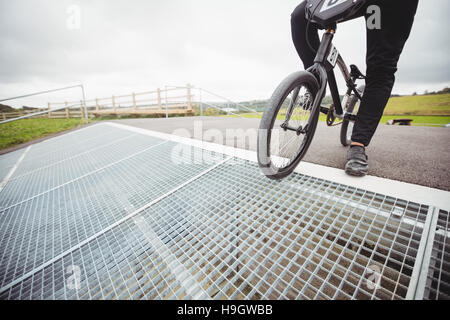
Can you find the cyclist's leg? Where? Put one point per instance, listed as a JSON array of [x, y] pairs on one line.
[[300, 32], [298, 29], [384, 47]]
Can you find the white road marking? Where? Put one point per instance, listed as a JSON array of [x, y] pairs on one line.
[[13, 169]]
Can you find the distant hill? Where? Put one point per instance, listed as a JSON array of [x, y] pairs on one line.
[[5, 108], [443, 91], [25, 108]]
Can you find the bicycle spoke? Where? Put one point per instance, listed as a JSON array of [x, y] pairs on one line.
[[295, 112], [286, 145]]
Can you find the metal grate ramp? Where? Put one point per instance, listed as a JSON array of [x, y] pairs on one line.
[[437, 283], [115, 218]]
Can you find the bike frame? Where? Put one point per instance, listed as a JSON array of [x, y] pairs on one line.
[[326, 59]]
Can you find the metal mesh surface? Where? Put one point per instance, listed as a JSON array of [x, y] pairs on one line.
[[135, 225], [38, 229], [251, 238], [69, 146], [438, 279], [8, 161], [52, 176]]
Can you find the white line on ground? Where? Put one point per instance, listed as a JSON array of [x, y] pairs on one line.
[[397, 189], [421, 268], [13, 169]]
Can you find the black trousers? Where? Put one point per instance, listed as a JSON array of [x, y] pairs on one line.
[[384, 47]]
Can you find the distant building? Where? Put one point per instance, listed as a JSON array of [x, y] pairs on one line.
[[228, 110]]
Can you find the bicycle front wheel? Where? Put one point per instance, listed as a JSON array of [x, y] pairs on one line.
[[288, 125]]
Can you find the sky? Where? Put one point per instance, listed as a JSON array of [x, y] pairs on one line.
[[238, 49]]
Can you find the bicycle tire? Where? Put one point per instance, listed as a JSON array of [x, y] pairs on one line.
[[295, 80], [344, 136]]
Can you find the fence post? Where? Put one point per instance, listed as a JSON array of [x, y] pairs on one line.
[[96, 105], [201, 104], [48, 109], [189, 105], [114, 103], [67, 110], [167, 107], [134, 101], [4, 116], [159, 99]]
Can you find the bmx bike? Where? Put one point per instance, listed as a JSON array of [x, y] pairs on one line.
[[290, 119]]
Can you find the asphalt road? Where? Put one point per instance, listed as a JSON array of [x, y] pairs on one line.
[[419, 155]]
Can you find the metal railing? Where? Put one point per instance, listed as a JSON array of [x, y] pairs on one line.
[[208, 99], [166, 101], [160, 101], [82, 105]]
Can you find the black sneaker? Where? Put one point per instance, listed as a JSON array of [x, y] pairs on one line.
[[357, 164]]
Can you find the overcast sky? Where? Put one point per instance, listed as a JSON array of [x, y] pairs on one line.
[[239, 49]]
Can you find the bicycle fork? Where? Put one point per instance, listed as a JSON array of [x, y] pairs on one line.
[[285, 125]]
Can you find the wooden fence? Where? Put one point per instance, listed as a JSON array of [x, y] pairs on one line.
[[167, 101], [60, 114]]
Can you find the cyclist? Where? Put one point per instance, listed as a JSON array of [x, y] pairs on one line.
[[384, 46]]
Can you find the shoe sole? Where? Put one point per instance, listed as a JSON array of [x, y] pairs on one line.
[[356, 173]]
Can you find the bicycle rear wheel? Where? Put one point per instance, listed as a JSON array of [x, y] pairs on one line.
[[288, 125]]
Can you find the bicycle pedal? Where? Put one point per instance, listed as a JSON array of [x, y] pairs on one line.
[[324, 110]]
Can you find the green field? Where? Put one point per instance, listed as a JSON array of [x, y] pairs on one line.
[[426, 110], [25, 130], [427, 105], [421, 120]]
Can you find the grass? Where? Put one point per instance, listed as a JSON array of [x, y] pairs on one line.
[[427, 110], [25, 130], [427, 105], [420, 120]]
